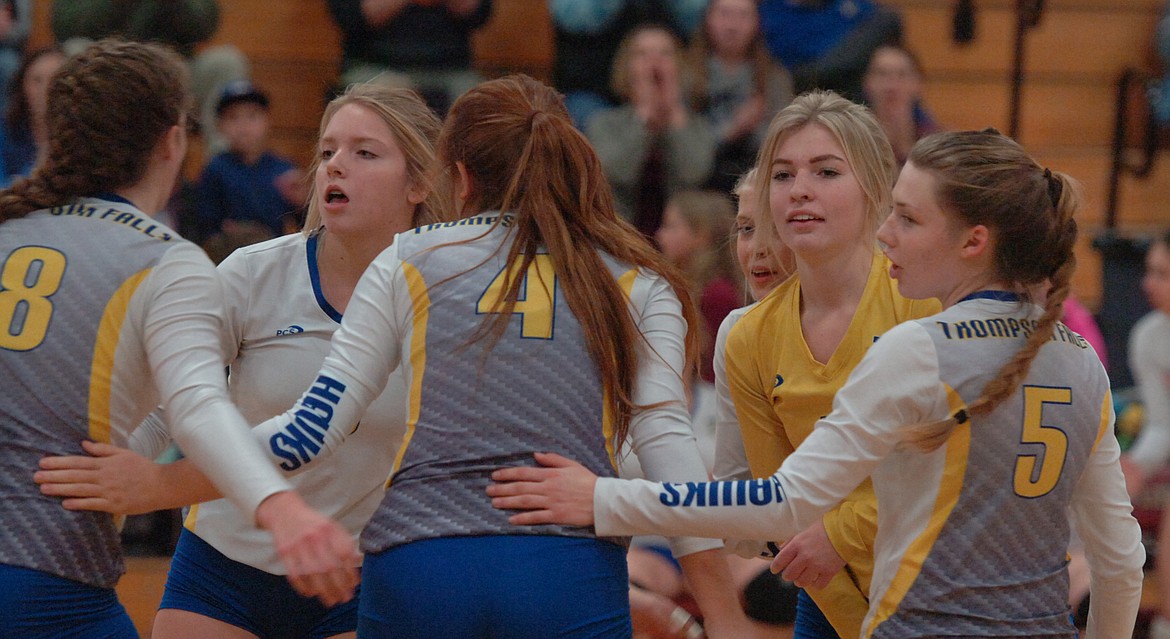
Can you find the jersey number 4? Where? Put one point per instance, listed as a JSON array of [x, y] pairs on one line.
[[1030, 481], [535, 302], [29, 277]]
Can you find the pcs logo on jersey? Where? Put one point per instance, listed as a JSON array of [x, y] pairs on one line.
[[291, 330]]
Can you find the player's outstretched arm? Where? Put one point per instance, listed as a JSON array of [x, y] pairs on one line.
[[559, 492]]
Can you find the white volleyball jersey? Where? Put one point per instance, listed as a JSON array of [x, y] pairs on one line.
[[973, 537], [730, 457], [107, 314], [471, 412], [278, 325], [1149, 359]]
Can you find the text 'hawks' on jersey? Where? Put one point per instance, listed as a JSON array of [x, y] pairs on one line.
[[301, 440], [474, 406], [755, 492]]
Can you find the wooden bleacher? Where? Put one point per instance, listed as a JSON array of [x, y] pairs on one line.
[[1074, 59]]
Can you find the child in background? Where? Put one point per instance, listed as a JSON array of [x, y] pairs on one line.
[[247, 193], [15, 24], [694, 225]]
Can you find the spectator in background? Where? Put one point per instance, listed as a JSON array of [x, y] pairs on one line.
[[586, 35], [739, 87], [15, 24], [656, 583], [826, 44], [893, 90], [653, 145], [1149, 354], [183, 24], [693, 236], [425, 44], [247, 193], [25, 132]]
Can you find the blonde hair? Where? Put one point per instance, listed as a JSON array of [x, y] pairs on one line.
[[748, 183], [864, 142], [985, 178], [415, 128]]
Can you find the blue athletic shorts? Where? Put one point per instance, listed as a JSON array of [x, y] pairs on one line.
[[810, 621], [515, 586], [202, 580], [37, 605]]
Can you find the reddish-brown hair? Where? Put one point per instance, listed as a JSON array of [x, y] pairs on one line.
[[987, 178], [515, 139]]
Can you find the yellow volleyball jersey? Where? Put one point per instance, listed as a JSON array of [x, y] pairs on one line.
[[780, 391]]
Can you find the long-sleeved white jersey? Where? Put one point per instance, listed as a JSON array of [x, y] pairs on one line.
[[973, 537], [277, 331], [470, 412], [1149, 359]]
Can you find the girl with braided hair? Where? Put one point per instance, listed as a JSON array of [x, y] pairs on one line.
[[371, 182], [986, 427], [109, 314]]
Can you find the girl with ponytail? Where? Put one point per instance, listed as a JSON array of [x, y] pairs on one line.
[[532, 318], [986, 427]]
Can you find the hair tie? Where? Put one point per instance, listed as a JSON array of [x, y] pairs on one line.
[[1055, 187]]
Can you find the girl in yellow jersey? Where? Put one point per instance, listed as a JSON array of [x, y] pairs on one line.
[[825, 176], [987, 428]]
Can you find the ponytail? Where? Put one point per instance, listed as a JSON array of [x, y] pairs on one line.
[[525, 157], [986, 178]]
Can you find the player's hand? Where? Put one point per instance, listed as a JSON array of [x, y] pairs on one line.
[[110, 479], [559, 493], [318, 555], [808, 559]]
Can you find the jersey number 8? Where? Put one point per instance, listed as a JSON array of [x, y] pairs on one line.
[[30, 276]]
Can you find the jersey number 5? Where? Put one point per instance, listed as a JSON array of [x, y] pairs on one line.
[[30, 276], [535, 301], [1028, 481]]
